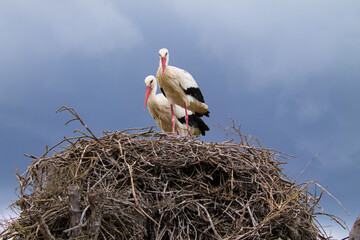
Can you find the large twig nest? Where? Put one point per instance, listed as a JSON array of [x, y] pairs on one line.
[[135, 184]]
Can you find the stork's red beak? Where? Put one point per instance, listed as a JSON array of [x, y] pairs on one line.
[[148, 90], [163, 63]]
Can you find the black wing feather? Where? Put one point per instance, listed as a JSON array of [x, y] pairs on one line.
[[195, 92], [162, 90]]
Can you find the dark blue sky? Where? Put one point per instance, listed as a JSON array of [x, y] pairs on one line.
[[288, 72]]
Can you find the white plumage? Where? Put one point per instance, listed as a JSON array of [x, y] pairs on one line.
[[179, 87], [160, 110]]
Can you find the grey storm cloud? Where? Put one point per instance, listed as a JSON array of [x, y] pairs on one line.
[[290, 42], [48, 28], [35, 33]]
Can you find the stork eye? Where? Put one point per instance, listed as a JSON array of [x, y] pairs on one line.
[[166, 54], [151, 81]]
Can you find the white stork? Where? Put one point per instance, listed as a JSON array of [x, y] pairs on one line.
[[180, 88], [159, 109]]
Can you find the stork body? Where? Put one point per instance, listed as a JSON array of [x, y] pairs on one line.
[[180, 88], [160, 110]]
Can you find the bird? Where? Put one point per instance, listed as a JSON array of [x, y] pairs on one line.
[[159, 108], [180, 88]]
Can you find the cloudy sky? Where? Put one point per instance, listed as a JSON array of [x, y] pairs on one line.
[[287, 71]]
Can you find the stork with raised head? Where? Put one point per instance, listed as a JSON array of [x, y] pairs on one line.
[[180, 88], [160, 110]]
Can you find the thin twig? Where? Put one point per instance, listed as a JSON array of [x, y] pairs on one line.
[[77, 117], [307, 165]]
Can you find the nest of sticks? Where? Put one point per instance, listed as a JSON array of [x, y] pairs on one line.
[[134, 184]]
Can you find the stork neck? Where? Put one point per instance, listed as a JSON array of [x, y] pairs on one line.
[[153, 91]]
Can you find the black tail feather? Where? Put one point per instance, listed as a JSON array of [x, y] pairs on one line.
[[207, 114]]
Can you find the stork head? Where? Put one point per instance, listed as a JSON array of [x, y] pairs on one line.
[[164, 58], [150, 83]]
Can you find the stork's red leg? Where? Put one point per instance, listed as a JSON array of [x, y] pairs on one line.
[[187, 120], [172, 119]]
